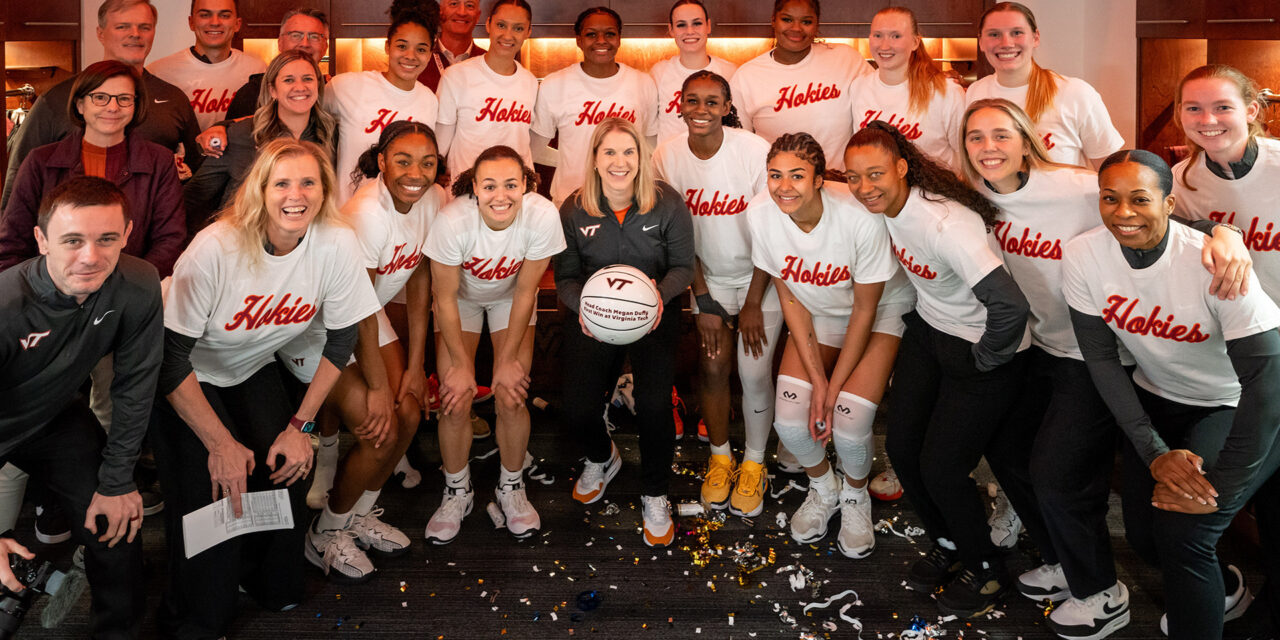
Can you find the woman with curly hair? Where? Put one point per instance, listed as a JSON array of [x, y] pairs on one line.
[[960, 363]]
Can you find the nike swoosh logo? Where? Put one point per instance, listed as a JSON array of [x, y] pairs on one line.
[[1108, 610], [101, 317], [159, 101], [652, 226], [760, 410]]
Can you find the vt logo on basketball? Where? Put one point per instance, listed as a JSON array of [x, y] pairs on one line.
[[617, 283]]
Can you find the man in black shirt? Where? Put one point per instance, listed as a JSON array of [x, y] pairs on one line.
[[60, 313]]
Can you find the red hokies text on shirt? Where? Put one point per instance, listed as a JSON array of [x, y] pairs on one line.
[[1254, 240], [911, 130], [1025, 245], [401, 259], [593, 115], [258, 312], [793, 96], [909, 263], [493, 111], [480, 267], [818, 275], [718, 205], [1149, 325]]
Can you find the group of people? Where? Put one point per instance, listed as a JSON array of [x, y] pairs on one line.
[[261, 249]]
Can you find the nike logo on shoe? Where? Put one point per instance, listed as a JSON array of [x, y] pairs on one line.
[[1108, 610]]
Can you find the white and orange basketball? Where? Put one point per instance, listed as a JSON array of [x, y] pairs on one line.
[[619, 304]]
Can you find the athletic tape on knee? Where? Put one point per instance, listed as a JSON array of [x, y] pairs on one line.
[[851, 431], [791, 420]]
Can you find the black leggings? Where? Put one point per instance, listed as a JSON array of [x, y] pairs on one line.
[[203, 592], [944, 416], [592, 368], [1184, 546]]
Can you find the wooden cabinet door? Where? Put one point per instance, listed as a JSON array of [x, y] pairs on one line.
[[351, 19], [1242, 20], [43, 20], [1170, 18], [946, 18], [555, 19], [262, 17]]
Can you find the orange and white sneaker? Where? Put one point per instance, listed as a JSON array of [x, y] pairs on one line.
[[659, 530], [702, 431], [596, 476], [748, 493], [718, 482]]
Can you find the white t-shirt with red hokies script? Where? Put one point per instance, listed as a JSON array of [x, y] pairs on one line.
[[209, 86], [391, 242], [571, 103], [849, 244], [812, 96], [1034, 224], [240, 314], [491, 259], [365, 102], [717, 191], [669, 76], [936, 131], [486, 109], [1248, 202], [1164, 314], [1076, 129], [943, 247]]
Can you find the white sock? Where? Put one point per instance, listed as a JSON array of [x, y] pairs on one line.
[[327, 456], [754, 455], [329, 441], [723, 450], [329, 521], [506, 477], [366, 502], [459, 480], [946, 544], [827, 484]]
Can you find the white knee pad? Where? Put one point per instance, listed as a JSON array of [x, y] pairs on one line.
[[791, 420], [851, 432]]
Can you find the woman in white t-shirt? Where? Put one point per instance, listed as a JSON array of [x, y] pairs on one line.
[[1200, 410], [366, 101], [381, 394], [908, 90], [843, 298], [958, 369], [800, 85], [488, 250], [488, 100], [718, 168], [573, 100], [689, 25], [276, 261], [1069, 114]]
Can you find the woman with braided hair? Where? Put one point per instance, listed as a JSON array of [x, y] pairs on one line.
[[960, 363]]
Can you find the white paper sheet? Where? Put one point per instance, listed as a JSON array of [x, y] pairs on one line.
[[216, 523]]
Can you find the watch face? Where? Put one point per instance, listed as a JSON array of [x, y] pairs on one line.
[[309, 426]]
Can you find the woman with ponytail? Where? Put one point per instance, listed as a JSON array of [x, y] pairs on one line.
[[719, 168], [843, 298], [689, 25], [1069, 114], [959, 366], [364, 102], [381, 394], [908, 90], [489, 248]]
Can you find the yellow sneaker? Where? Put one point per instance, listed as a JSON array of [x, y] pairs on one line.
[[748, 494], [719, 482]]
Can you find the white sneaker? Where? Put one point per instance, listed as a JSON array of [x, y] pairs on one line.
[[1093, 618], [809, 522], [447, 520], [659, 530], [522, 518], [1045, 581], [1004, 522], [857, 534], [409, 477], [377, 536], [787, 462], [596, 476], [1235, 605], [335, 551], [326, 468], [885, 487]]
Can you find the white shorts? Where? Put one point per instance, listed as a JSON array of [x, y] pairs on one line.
[[733, 298], [830, 330], [302, 355], [473, 315]]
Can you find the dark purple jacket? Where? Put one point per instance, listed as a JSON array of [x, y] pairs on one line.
[[149, 180]]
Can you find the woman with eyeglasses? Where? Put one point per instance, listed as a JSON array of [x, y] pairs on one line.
[[108, 100]]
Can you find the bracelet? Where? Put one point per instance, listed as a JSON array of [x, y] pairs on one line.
[[1231, 227]]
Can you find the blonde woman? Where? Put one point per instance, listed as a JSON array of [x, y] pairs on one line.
[[638, 221], [274, 262]]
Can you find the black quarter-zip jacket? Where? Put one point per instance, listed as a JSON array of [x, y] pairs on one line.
[[49, 343], [659, 243]]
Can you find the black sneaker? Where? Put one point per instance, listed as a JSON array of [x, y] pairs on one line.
[[934, 570], [152, 500], [973, 593], [52, 526]]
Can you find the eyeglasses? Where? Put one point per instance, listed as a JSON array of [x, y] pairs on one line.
[[297, 36], [100, 99]]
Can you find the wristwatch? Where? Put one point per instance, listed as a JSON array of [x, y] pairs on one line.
[[1231, 227], [305, 426]]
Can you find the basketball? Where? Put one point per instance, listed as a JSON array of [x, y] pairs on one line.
[[619, 304]]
